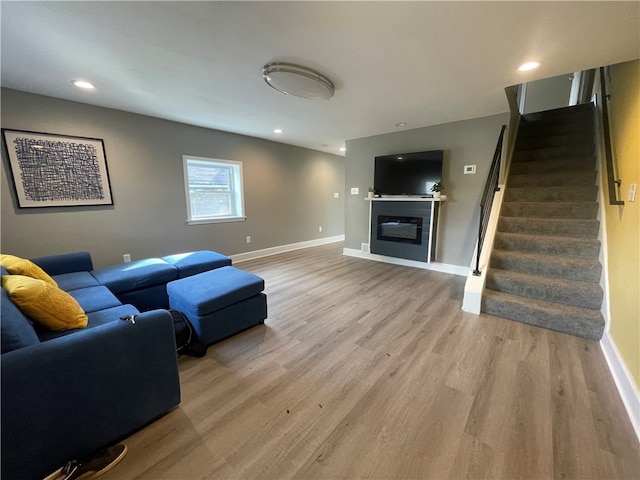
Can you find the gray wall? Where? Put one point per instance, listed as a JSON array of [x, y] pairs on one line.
[[547, 94], [464, 143], [288, 190]]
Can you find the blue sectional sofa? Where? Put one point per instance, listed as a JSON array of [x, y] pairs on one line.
[[66, 394]]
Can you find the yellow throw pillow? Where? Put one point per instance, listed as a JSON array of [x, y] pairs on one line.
[[22, 266], [45, 304]]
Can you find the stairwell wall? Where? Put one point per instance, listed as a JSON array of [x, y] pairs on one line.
[[623, 222]]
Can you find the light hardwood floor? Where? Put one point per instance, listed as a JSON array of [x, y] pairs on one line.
[[370, 370]]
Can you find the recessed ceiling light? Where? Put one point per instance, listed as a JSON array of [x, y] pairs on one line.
[[83, 84], [343, 149], [277, 130], [525, 67], [401, 124]]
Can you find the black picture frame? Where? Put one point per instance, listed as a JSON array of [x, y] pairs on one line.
[[54, 170]]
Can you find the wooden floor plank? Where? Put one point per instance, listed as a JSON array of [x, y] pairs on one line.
[[371, 370]]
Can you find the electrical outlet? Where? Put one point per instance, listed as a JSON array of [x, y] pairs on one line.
[[320, 229], [336, 195], [364, 247], [355, 190], [248, 239], [126, 258]]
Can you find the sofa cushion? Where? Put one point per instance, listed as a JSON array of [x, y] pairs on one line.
[[75, 281], [125, 277], [15, 329], [96, 319], [92, 299], [45, 304], [192, 263], [210, 291], [22, 266]]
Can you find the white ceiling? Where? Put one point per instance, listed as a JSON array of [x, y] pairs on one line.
[[200, 63]]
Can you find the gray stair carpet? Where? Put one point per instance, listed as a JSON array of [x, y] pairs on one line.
[[544, 267]]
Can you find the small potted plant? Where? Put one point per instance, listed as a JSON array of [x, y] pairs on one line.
[[372, 192], [437, 188]]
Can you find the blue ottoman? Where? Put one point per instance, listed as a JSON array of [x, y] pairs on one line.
[[219, 303], [192, 263]]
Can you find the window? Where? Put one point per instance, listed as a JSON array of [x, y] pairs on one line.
[[213, 189]]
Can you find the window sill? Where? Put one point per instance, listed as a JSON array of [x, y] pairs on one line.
[[203, 221]]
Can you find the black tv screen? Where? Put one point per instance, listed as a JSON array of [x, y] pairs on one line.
[[407, 173]]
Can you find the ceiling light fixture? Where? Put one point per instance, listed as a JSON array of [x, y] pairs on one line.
[[83, 84], [401, 124], [277, 130], [298, 81], [343, 149], [525, 67]]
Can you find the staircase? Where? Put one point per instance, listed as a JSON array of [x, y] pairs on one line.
[[544, 267]]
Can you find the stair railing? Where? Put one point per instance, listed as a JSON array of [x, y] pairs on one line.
[[612, 182], [490, 187]]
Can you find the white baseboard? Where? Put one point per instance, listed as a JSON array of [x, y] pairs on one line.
[[437, 267], [627, 387], [242, 257]]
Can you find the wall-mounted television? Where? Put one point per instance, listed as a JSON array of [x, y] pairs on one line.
[[407, 173]]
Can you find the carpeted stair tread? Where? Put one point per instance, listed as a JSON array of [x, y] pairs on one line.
[[559, 227], [579, 269], [579, 193], [551, 289], [570, 165], [559, 151], [568, 210], [582, 322], [550, 141], [574, 114], [548, 245], [529, 130], [555, 179]]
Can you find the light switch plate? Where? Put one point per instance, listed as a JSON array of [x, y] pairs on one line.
[[631, 196], [355, 190], [469, 169], [336, 195]]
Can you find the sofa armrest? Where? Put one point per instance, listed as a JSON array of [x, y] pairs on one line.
[[65, 263], [73, 395]]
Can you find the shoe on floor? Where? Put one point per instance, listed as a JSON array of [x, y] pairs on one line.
[[94, 465]]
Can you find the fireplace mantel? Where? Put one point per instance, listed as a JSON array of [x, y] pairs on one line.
[[406, 199]]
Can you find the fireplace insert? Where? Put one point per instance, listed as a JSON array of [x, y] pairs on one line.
[[393, 228]]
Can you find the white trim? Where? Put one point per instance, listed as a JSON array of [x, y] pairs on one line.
[[627, 387], [523, 98], [405, 198], [243, 257], [474, 286], [437, 267], [216, 220], [575, 88]]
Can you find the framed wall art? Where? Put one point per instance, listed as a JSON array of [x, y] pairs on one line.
[[52, 170]]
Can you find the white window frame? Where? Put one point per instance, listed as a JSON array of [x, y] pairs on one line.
[[237, 190]]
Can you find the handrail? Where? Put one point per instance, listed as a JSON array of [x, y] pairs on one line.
[[608, 154], [490, 187]]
